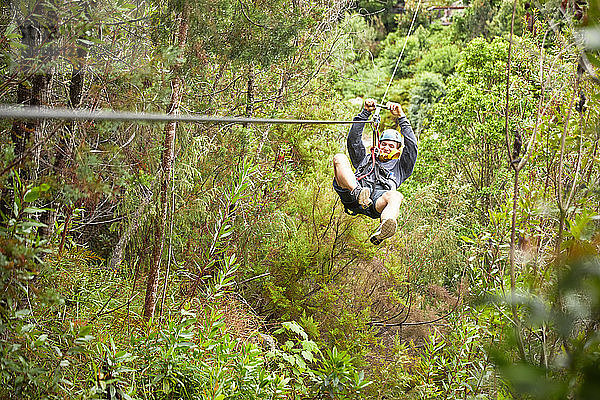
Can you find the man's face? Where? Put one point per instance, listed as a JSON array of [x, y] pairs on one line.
[[386, 146]]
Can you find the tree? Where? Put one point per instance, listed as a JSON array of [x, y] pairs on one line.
[[467, 128], [177, 88], [38, 30], [233, 31]]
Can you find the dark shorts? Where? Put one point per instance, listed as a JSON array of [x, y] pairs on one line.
[[352, 207]]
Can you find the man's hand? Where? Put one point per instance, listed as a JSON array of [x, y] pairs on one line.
[[395, 109], [370, 105]]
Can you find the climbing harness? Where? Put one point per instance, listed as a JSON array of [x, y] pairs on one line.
[[374, 148]]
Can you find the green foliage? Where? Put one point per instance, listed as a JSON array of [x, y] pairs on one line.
[[337, 378], [454, 366], [377, 12], [189, 360], [486, 18], [450, 363], [238, 31], [359, 43], [440, 60], [331, 375], [465, 133], [29, 358], [428, 90], [591, 32], [392, 48], [257, 227], [501, 21], [568, 315]]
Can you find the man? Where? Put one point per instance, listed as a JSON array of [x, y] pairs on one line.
[[371, 190]]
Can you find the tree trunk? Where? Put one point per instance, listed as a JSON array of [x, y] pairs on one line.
[[63, 153], [250, 93], [281, 90], [138, 217], [516, 166], [563, 204], [38, 30], [78, 75], [64, 149], [33, 35], [167, 164], [22, 130]]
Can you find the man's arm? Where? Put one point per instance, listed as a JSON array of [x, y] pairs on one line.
[[409, 154], [408, 158], [356, 148]]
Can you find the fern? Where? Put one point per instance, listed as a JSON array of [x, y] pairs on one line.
[[75, 257]]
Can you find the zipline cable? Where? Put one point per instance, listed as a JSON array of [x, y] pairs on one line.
[[378, 107], [381, 104], [412, 23], [8, 111], [37, 113]]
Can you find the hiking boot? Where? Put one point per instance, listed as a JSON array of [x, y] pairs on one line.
[[364, 198], [386, 230], [362, 195]]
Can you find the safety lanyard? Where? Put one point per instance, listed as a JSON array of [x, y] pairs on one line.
[[376, 120]]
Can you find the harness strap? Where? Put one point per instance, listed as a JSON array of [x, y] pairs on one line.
[[372, 165], [375, 129]]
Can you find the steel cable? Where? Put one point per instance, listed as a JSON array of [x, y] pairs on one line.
[[412, 23], [39, 113]]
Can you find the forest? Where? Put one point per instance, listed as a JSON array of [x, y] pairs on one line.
[[213, 259]]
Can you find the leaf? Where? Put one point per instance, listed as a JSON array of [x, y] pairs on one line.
[[66, 382], [32, 210], [41, 340], [32, 224], [32, 194], [23, 313], [87, 42], [126, 396], [126, 6], [225, 233], [308, 356], [27, 328], [85, 331], [309, 345], [57, 350], [467, 239], [300, 363], [289, 358], [296, 328], [591, 38]]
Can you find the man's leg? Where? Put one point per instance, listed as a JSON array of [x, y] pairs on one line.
[[389, 204], [345, 178], [343, 172], [389, 207]]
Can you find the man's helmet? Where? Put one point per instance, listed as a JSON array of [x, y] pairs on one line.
[[393, 135]]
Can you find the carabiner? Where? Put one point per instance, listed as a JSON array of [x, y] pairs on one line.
[[375, 126]]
